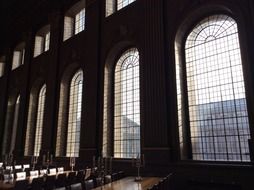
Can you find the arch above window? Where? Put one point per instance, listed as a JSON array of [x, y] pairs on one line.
[[212, 109]]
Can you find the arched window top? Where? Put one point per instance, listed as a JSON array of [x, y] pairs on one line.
[[18, 99], [42, 90], [129, 58], [77, 77], [211, 28]]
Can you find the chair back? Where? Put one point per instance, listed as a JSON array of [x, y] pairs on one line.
[[114, 176], [17, 167], [76, 186], [89, 184], [21, 185], [8, 177], [37, 183], [52, 171], [34, 173], [43, 172], [26, 166], [8, 167], [20, 175], [87, 173], [60, 170]]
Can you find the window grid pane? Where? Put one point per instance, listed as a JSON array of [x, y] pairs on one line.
[[39, 121], [74, 119], [80, 21], [127, 106], [123, 3], [216, 93]]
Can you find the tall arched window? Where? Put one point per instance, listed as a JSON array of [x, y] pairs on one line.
[[69, 115], [35, 121], [126, 117], [212, 110], [11, 124], [39, 121], [74, 117]]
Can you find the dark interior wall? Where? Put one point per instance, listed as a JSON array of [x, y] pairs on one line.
[[149, 25]]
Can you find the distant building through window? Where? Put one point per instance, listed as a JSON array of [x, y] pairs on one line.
[[215, 107]]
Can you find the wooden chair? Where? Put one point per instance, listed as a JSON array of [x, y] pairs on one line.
[[76, 186], [107, 179], [89, 184], [114, 176], [87, 173], [98, 182]]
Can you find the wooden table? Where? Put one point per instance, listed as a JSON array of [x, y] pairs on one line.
[[128, 183]]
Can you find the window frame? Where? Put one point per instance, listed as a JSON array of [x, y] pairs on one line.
[[68, 108], [181, 37], [72, 13], [110, 96], [32, 114]]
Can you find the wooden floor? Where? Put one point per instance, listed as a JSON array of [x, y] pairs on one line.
[[128, 183]]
